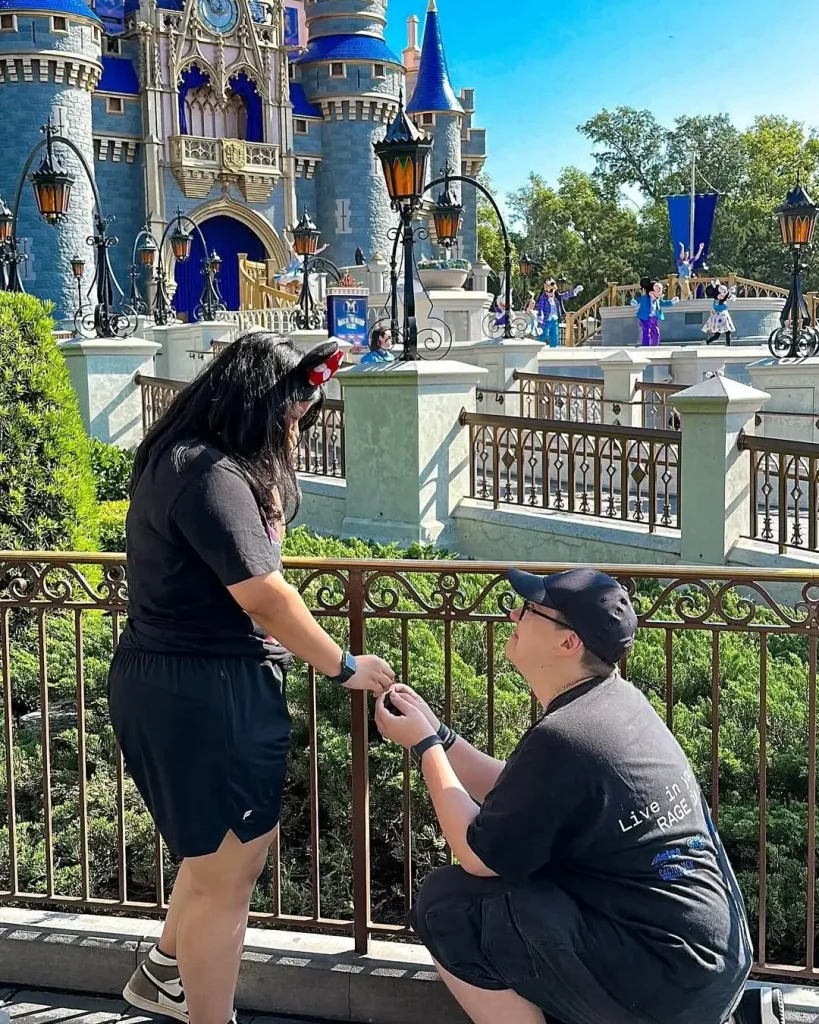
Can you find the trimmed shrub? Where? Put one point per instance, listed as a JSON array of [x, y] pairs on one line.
[[112, 525], [111, 467], [46, 486]]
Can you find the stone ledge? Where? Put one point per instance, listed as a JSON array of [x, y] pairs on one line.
[[282, 972]]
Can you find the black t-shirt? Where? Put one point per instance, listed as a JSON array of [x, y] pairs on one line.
[[599, 799], [193, 529]]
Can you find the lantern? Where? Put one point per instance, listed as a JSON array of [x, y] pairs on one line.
[[797, 217], [6, 223], [214, 262], [147, 252], [306, 236], [181, 241], [77, 266], [52, 187], [447, 213], [404, 153], [525, 264]]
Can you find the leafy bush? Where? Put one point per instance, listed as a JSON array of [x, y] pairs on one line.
[[112, 525], [111, 467], [46, 486]]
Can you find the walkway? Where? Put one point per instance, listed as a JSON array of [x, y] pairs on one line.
[[37, 1007]]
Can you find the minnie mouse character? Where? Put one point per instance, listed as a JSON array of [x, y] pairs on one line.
[[720, 321]]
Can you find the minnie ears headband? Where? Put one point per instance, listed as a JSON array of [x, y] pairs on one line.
[[321, 363]]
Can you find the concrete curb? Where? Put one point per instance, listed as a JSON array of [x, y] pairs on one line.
[[286, 973]]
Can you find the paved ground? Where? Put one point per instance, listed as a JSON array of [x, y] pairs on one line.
[[37, 1007]]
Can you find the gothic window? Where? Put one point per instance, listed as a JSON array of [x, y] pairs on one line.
[[209, 117]]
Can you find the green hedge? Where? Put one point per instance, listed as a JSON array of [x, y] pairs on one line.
[[111, 467], [112, 525], [46, 486]]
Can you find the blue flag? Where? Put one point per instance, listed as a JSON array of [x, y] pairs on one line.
[[112, 15], [679, 216]]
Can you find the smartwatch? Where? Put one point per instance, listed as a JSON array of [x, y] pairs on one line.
[[447, 736], [348, 669], [421, 748]]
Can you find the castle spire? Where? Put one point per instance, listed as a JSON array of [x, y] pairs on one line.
[[433, 89]]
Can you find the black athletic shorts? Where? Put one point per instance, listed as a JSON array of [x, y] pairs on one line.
[[205, 740], [538, 943]]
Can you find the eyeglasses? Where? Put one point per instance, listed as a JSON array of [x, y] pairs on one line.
[[529, 607]]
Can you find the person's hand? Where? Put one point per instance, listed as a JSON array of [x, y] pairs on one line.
[[408, 728], [578, 289], [419, 702], [372, 673], [675, 300]]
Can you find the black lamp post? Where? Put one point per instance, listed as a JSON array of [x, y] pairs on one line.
[[796, 337], [52, 185], [78, 269], [306, 242], [404, 155], [147, 253]]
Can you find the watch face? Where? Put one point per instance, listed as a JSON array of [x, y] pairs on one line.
[[219, 15]]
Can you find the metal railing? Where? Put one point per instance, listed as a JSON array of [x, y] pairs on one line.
[[658, 411], [320, 453], [74, 833], [784, 477], [554, 397], [631, 474]]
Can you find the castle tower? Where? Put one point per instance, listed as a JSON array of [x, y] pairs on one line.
[[434, 106], [350, 75], [49, 66]]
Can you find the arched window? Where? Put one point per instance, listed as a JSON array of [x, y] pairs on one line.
[[203, 112]]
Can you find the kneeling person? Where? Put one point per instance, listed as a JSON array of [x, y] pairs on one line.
[[592, 885]]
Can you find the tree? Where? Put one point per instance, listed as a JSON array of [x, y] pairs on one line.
[[490, 236], [46, 487], [578, 229]]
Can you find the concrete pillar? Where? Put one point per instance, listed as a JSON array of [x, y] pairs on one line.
[[178, 341], [622, 372], [480, 275], [407, 489], [691, 365], [715, 477], [102, 372], [793, 411]]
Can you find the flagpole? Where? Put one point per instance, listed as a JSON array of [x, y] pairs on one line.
[[693, 201]]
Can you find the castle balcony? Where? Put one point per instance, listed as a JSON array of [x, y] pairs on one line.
[[199, 163]]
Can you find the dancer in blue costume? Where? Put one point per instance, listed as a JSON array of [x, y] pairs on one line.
[[550, 309]]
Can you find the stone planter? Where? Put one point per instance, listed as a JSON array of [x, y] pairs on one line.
[[433, 280]]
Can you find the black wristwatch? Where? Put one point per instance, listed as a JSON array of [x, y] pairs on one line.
[[348, 669], [447, 736], [421, 748]]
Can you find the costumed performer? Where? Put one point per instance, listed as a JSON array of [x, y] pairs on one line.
[[720, 321], [550, 310], [685, 268], [650, 310]]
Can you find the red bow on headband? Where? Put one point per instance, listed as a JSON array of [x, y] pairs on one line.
[[324, 371]]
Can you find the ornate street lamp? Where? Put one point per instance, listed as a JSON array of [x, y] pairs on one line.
[[447, 215], [404, 155], [10, 259], [306, 238], [796, 337], [52, 185], [525, 265], [78, 269], [147, 253], [6, 223]]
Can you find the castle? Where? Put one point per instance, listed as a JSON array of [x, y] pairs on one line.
[[240, 113]]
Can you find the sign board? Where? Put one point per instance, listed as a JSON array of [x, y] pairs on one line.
[[347, 316]]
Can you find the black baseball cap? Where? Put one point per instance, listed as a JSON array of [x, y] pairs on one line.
[[596, 606]]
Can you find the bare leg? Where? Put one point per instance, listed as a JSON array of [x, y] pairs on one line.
[[179, 896], [211, 919], [486, 1007]]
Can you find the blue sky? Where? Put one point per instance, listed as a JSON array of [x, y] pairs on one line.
[[540, 68]]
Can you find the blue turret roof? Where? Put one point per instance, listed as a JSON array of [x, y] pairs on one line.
[[76, 7], [433, 90], [302, 107], [347, 47], [119, 75]]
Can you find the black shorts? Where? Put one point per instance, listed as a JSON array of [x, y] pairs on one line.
[[538, 943], [205, 741]]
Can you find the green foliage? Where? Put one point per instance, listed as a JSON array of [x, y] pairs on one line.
[[111, 467], [46, 486], [420, 648], [112, 525], [612, 225]]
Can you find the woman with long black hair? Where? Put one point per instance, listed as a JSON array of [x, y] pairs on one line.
[[197, 683]]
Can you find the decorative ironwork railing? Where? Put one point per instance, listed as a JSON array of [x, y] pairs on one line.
[[553, 397], [658, 411], [784, 477], [351, 854], [631, 474], [320, 453]]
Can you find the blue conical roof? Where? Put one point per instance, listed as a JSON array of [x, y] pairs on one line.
[[433, 89]]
